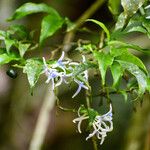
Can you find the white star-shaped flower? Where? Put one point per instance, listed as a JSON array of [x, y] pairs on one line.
[[102, 124]]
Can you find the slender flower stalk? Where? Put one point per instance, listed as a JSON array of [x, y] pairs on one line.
[[102, 124]]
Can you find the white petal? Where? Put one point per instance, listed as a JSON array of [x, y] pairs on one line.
[[62, 56], [79, 126], [148, 6], [44, 61], [77, 92], [148, 17], [74, 63]]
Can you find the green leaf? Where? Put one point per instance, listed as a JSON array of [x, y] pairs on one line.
[[2, 35], [120, 45], [135, 25], [82, 67], [102, 26], [23, 48], [148, 84], [92, 114], [117, 51], [131, 6], [114, 6], [9, 43], [6, 58], [121, 21], [50, 24], [132, 83], [19, 30], [146, 25], [117, 72], [33, 69], [104, 61], [30, 8], [2, 50], [125, 95], [138, 73], [128, 57]]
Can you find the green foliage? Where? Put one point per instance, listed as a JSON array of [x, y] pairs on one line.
[[122, 45], [117, 73], [102, 26], [137, 72], [7, 58], [92, 114], [130, 8], [50, 23], [33, 68], [84, 66], [23, 47], [31, 8], [104, 61], [114, 6], [115, 54]]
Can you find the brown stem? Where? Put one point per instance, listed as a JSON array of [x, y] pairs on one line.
[[88, 13]]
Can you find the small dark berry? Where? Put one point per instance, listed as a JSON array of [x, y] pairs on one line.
[[11, 73]]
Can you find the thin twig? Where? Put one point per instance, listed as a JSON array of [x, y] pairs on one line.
[[101, 42], [94, 143], [63, 108], [88, 103], [88, 13]]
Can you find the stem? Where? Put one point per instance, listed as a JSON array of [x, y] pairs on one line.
[[88, 100], [101, 42], [94, 143], [88, 13], [43, 120], [63, 108]]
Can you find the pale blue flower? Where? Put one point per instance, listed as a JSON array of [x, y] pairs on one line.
[[80, 86], [52, 74], [102, 124], [61, 63]]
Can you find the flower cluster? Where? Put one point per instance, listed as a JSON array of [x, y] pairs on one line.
[[102, 124], [61, 70]]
